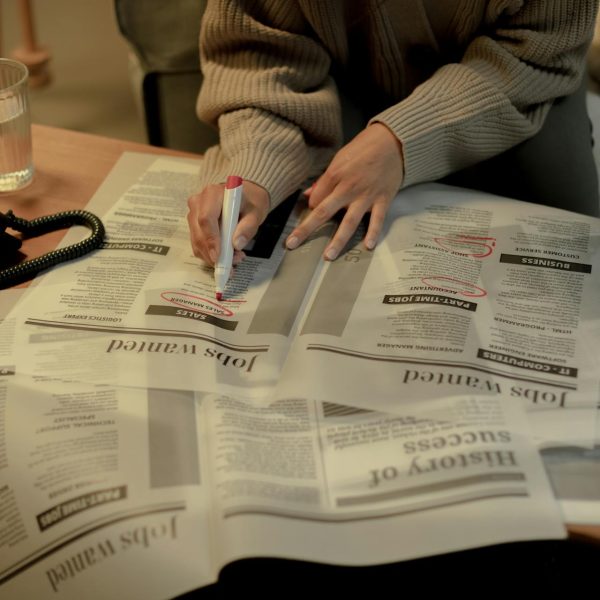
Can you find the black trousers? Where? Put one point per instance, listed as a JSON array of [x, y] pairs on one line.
[[541, 569]]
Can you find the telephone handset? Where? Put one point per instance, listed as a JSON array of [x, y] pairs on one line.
[[9, 244]]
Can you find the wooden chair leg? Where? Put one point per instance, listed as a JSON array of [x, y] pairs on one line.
[[35, 57]]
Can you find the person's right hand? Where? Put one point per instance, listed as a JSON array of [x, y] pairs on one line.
[[203, 220]]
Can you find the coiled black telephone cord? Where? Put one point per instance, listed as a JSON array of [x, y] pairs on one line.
[[28, 269]]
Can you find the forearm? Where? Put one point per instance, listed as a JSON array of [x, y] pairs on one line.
[[267, 88], [266, 150], [500, 92]]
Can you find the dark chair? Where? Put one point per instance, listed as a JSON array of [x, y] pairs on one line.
[[165, 71]]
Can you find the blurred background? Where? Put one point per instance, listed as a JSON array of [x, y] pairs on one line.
[[91, 90]]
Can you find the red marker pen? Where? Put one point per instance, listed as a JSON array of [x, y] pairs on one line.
[[229, 219]]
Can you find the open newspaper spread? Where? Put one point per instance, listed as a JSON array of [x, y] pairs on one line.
[[391, 396]]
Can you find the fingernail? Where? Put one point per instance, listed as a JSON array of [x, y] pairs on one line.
[[370, 244], [212, 255], [331, 254], [292, 242], [308, 190], [240, 242]]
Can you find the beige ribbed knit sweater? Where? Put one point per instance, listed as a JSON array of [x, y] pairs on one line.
[[457, 81]]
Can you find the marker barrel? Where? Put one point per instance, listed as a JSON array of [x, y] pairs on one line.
[[230, 212]]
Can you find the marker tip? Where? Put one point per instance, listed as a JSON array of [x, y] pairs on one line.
[[219, 295]]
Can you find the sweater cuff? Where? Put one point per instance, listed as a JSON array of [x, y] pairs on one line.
[[443, 130], [268, 151]]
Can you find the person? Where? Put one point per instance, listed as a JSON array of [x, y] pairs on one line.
[[488, 94]]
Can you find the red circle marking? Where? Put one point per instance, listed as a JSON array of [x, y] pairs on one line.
[[221, 310], [465, 246], [476, 293]]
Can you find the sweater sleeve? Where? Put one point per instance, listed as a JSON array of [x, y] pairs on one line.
[[267, 88], [527, 54]]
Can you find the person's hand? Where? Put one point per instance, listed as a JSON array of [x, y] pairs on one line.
[[363, 177], [203, 220]]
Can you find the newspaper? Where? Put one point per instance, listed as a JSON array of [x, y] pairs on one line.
[[149, 435], [102, 485]]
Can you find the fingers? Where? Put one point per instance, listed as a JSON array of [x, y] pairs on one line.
[[363, 177], [319, 215], [347, 227], [203, 222], [376, 221], [255, 208], [308, 191], [238, 257], [326, 197], [247, 227]]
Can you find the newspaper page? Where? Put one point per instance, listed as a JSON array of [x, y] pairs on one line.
[[305, 480], [148, 493], [102, 493], [142, 310], [466, 293]]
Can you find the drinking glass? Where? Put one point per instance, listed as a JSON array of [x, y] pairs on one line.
[[16, 166]]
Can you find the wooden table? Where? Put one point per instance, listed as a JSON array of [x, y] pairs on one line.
[[70, 166]]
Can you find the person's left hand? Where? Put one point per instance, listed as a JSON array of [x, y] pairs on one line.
[[363, 176]]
